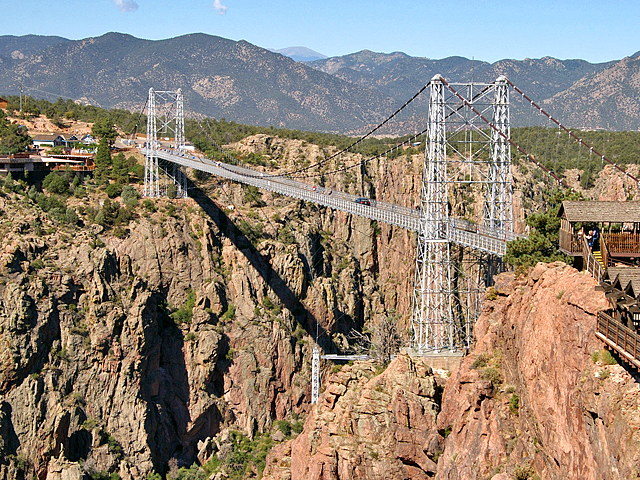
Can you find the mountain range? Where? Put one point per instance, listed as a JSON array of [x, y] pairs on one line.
[[300, 54], [248, 84]]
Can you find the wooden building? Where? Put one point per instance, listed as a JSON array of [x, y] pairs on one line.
[[618, 222], [3, 103], [48, 140]]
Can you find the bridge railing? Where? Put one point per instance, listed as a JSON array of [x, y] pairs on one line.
[[458, 230]]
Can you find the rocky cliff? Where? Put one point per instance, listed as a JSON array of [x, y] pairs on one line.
[[158, 345], [129, 352], [530, 401]]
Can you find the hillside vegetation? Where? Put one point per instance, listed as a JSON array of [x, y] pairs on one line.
[[251, 85]]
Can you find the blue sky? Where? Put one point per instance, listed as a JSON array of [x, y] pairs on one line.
[[596, 31]]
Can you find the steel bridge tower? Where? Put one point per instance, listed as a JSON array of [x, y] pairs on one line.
[[165, 117], [498, 211], [462, 153]]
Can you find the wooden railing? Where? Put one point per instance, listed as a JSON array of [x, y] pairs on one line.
[[75, 168], [569, 242], [622, 242], [604, 252], [591, 264], [619, 337]]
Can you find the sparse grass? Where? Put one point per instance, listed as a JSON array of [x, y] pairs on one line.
[[523, 472], [491, 293], [493, 375], [480, 361], [603, 356]]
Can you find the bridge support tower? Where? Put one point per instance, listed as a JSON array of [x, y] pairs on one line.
[[165, 118], [462, 154], [315, 375]]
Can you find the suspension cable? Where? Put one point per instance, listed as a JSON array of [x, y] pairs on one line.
[[135, 127], [390, 150], [575, 137], [503, 135], [363, 138]]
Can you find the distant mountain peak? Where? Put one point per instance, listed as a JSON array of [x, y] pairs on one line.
[[300, 54]]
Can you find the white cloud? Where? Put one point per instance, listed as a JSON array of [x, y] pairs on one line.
[[126, 5], [222, 9]]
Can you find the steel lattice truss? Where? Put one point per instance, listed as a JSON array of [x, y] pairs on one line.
[[461, 149], [165, 118]]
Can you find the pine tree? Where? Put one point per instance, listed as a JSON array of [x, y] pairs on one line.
[[103, 161]]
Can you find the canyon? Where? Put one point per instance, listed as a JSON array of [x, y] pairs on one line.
[[160, 350]]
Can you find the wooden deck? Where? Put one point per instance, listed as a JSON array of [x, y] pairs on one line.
[[623, 244]]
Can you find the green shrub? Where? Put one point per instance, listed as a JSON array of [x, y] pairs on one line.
[[113, 190], [514, 404], [37, 264], [229, 314], [192, 473], [80, 192], [297, 426], [246, 458], [480, 361], [71, 217], [285, 235], [542, 243], [130, 196], [184, 314], [253, 231], [493, 375], [149, 206], [56, 183], [284, 426]]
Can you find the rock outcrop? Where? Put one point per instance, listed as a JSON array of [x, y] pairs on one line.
[[528, 402], [367, 426], [124, 352], [530, 398]]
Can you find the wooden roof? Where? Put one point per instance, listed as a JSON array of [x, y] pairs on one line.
[[625, 277], [600, 212], [46, 137]]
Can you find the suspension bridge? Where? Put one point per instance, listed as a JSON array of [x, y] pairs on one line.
[[468, 141]]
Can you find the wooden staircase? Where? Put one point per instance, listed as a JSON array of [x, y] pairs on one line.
[[598, 257]]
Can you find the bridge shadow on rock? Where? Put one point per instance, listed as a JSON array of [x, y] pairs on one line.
[[303, 317], [165, 390]]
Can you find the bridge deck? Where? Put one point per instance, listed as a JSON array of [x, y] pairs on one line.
[[459, 231]]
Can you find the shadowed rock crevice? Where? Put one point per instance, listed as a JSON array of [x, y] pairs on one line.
[[305, 318]]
